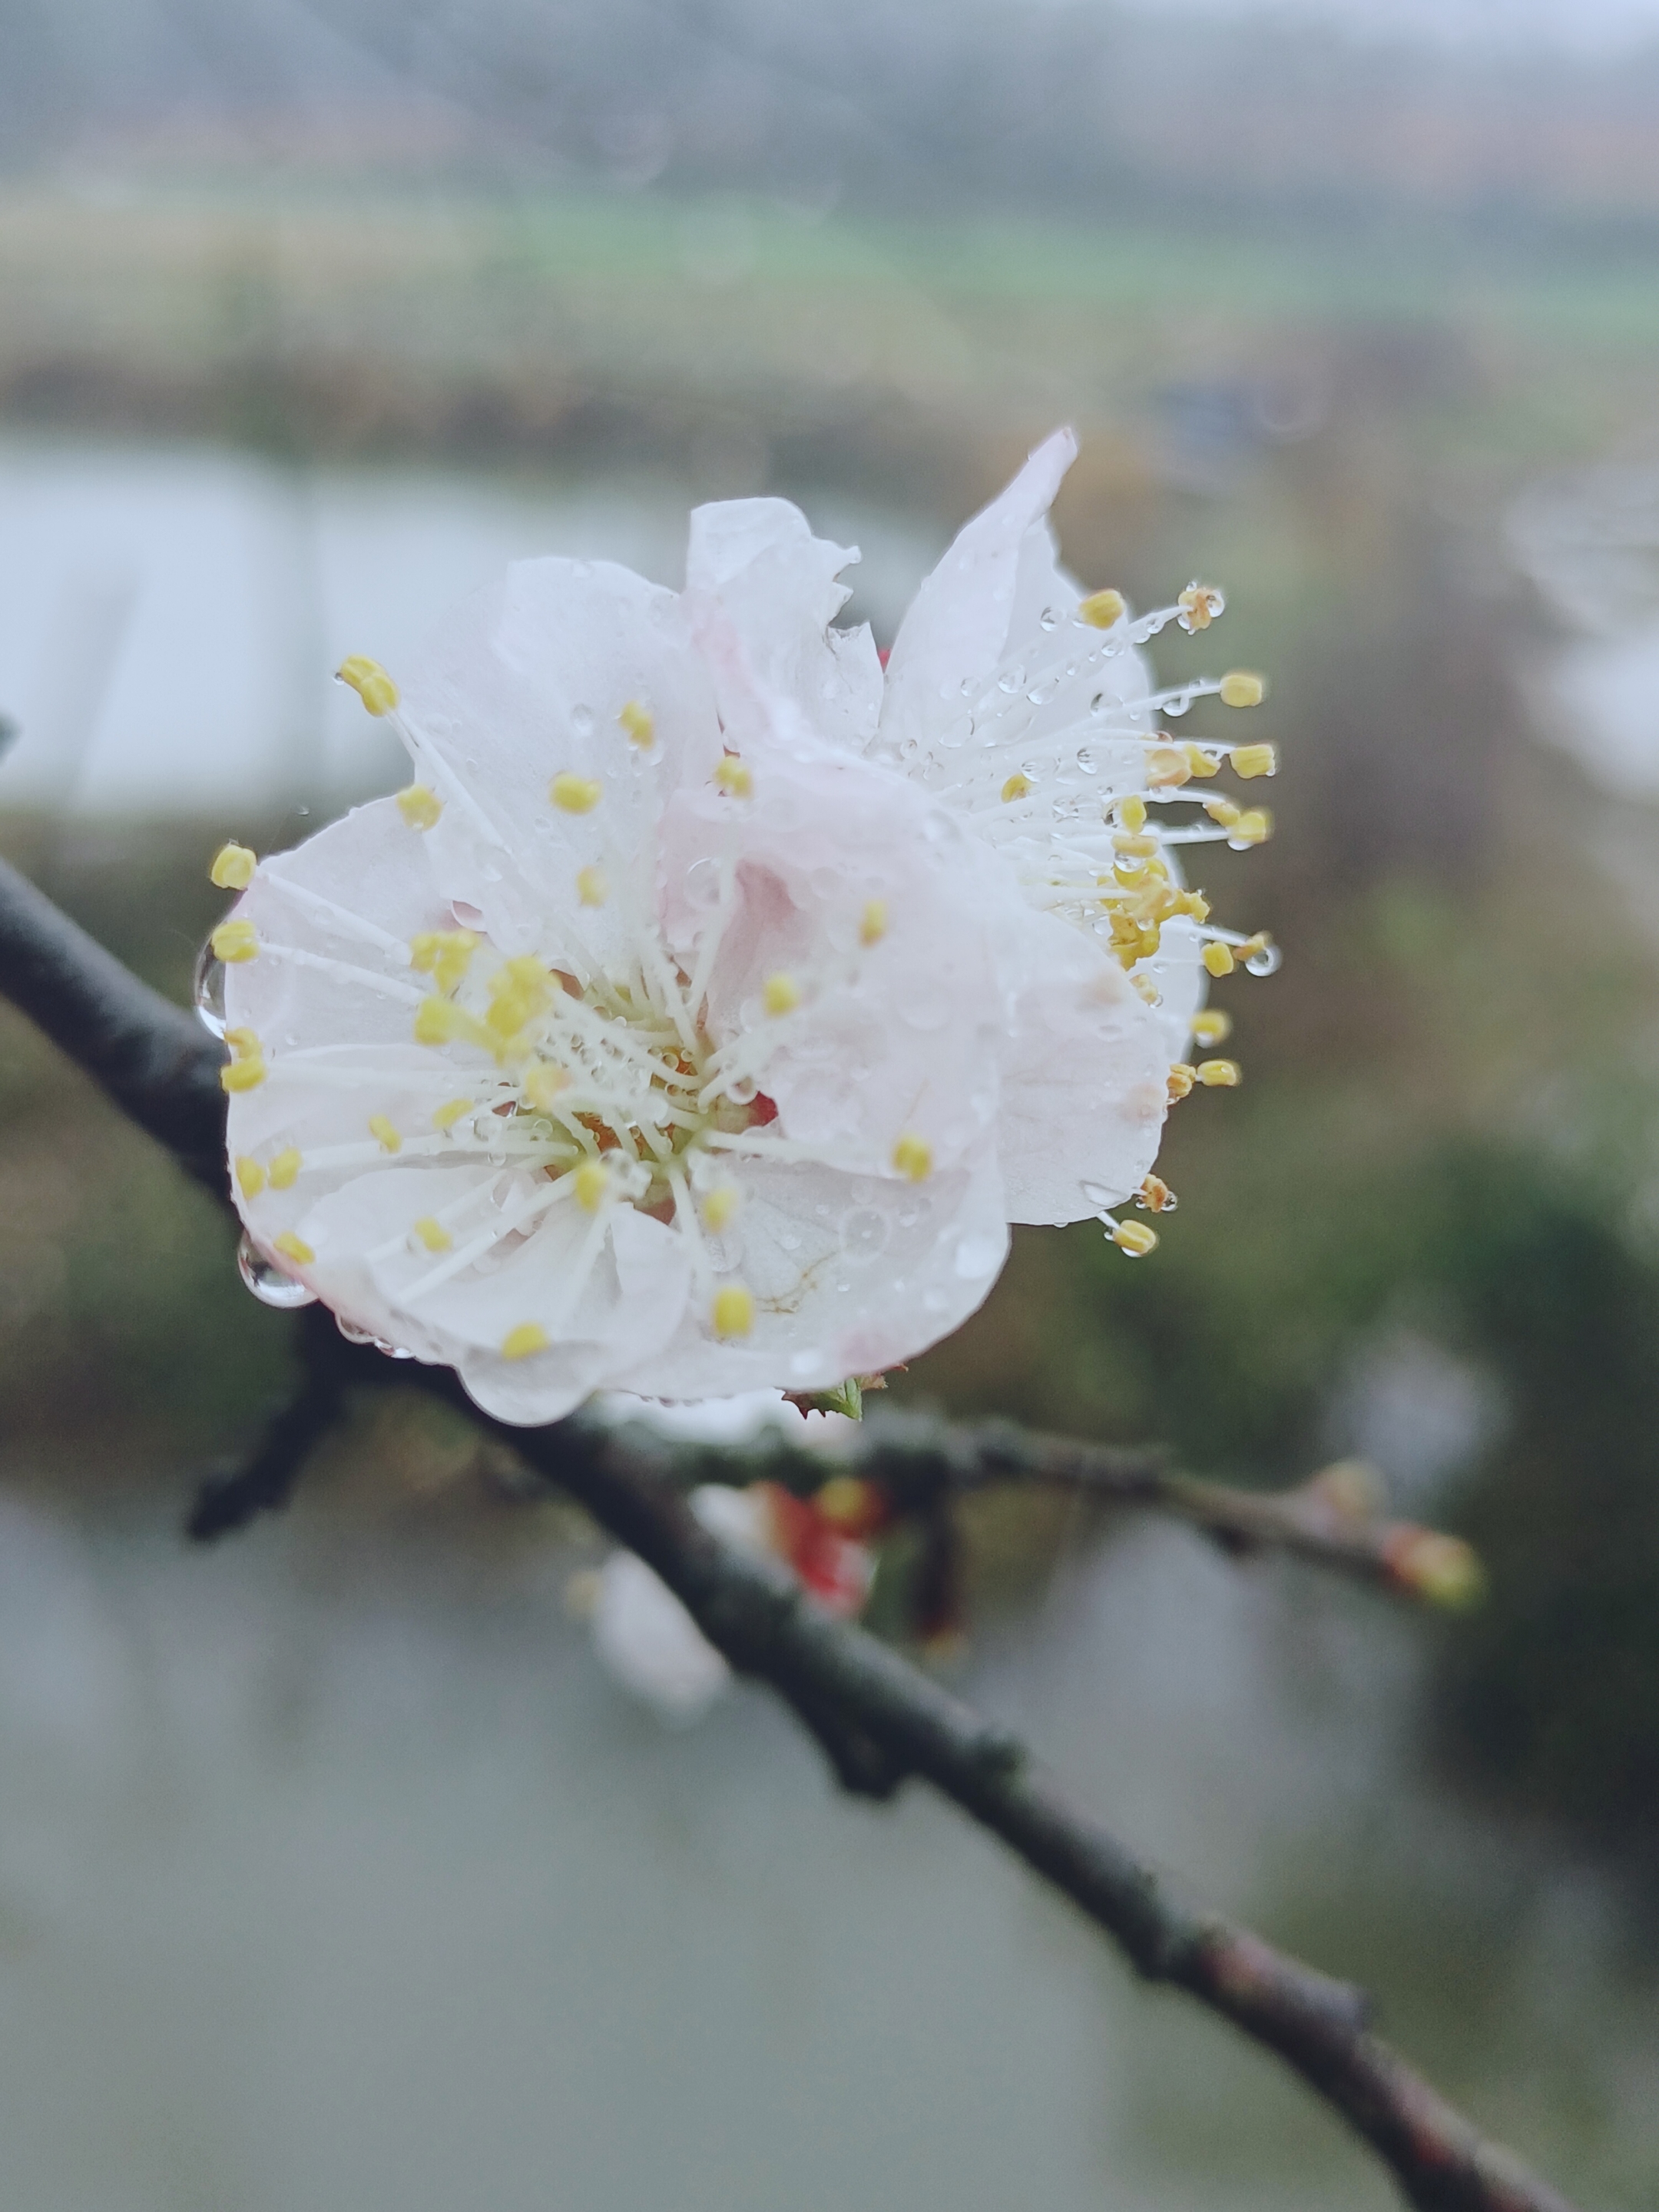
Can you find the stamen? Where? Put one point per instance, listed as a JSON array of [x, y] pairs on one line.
[[284, 1169], [1251, 761], [1211, 1026], [432, 1233], [720, 1204], [1254, 828], [913, 1157], [370, 682], [1167, 768], [872, 923], [1135, 1238], [1199, 604], [1132, 813], [574, 795], [447, 1116], [640, 724], [520, 1342], [444, 955], [293, 1247], [440, 1021], [733, 1313], [419, 806], [733, 778], [236, 941], [1156, 1195], [1016, 787], [542, 1085], [250, 1176], [591, 888], [1219, 1074], [1180, 1081], [1218, 958], [591, 1185], [1200, 763], [233, 868], [1103, 610], [781, 995], [1241, 687], [388, 1138]]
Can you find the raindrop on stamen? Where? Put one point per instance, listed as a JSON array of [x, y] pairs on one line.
[[1266, 961], [207, 991], [267, 1281]]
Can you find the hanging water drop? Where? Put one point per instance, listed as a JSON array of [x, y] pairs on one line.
[[1266, 960], [207, 990], [267, 1281]]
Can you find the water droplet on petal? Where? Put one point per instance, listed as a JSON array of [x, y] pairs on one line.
[[581, 720], [267, 1281], [207, 989], [702, 884], [863, 1233], [1087, 762], [1047, 618]]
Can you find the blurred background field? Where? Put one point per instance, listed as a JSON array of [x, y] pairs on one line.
[[332, 1872]]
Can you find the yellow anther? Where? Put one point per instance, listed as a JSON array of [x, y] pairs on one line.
[[639, 723], [1201, 763], [440, 1021], [1102, 609], [1144, 988], [1223, 811], [1219, 1074], [520, 990], [1199, 604], [720, 1204], [1167, 768], [574, 795], [733, 777], [1016, 787], [235, 940], [1192, 903], [872, 922], [1217, 957], [1135, 874], [447, 1116], [249, 1177], [1134, 1237], [443, 954], [1138, 847], [913, 1157], [1240, 687], [233, 868], [387, 1137], [1254, 828], [242, 1075], [1250, 761], [1211, 1026], [245, 1043], [734, 1310], [542, 1085], [419, 806], [293, 1247], [370, 682], [519, 1343], [1132, 812], [1254, 947], [1156, 1195], [1180, 1081], [592, 887], [284, 1169], [1441, 1571], [591, 1183], [781, 995], [432, 1233]]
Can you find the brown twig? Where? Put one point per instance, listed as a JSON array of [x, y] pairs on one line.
[[878, 1718]]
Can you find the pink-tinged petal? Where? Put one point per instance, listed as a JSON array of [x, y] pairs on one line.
[[777, 589], [850, 1274], [1083, 1067], [538, 678], [957, 628]]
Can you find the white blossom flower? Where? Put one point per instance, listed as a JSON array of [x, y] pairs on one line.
[[1027, 708], [653, 1038]]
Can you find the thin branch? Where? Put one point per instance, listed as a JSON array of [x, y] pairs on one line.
[[158, 1065], [264, 1482], [850, 1689], [1331, 1521]]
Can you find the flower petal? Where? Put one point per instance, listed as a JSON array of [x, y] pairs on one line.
[[778, 588]]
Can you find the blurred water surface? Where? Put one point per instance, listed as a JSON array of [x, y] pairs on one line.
[[334, 1873]]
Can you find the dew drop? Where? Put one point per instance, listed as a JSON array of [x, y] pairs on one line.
[[1098, 704], [863, 1233], [1049, 619], [207, 991], [581, 720], [702, 884], [1010, 680], [1267, 961], [969, 687], [353, 1334], [267, 1281], [1087, 762]]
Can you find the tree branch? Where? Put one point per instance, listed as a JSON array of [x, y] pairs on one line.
[[879, 1717], [1331, 1521], [159, 1065]]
